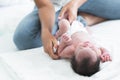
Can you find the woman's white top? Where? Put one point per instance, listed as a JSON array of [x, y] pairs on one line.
[[59, 3]]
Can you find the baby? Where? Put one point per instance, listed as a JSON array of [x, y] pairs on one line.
[[77, 44]]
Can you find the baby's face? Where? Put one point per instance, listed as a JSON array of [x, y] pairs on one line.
[[86, 49]]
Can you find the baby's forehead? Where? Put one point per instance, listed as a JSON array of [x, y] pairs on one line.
[[86, 50], [86, 53]]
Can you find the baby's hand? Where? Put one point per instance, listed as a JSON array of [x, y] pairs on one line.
[[105, 57]]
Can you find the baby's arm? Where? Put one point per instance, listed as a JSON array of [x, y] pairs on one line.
[[67, 52], [65, 42], [105, 56]]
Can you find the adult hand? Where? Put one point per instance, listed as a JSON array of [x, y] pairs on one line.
[[49, 42], [69, 12]]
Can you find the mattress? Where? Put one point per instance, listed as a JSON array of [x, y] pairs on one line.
[[35, 64]]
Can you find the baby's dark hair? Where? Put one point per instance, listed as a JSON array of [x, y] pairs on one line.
[[84, 67]]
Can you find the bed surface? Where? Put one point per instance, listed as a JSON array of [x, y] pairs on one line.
[[35, 64]]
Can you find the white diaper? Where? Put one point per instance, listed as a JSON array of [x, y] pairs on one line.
[[76, 26]]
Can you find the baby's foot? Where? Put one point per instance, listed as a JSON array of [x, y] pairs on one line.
[[66, 38], [63, 27]]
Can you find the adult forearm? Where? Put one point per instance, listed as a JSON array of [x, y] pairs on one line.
[[47, 17], [46, 13], [78, 3]]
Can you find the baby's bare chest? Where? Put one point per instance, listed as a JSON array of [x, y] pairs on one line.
[[80, 37]]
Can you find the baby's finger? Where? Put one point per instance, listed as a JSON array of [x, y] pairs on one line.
[[102, 58], [109, 58], [106, 58]]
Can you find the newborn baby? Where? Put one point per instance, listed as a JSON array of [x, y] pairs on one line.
[[77, 44]]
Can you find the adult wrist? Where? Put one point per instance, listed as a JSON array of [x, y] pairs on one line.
[[78, 3], [45, 29]]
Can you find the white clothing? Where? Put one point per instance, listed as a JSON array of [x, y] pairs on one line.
[[76, 26], [59, 3]]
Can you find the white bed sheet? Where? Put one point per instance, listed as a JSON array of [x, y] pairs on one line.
[[10, 16], [35, 64]]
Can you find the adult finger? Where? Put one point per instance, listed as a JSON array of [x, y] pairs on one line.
[[62, 13], [51, 51], [71, 18], [53, 55]]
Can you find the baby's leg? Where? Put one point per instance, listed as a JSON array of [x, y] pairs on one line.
[[63, 27]]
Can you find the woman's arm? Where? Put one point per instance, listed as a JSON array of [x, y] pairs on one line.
[[46, 13], [69, 11], [78, 3]]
